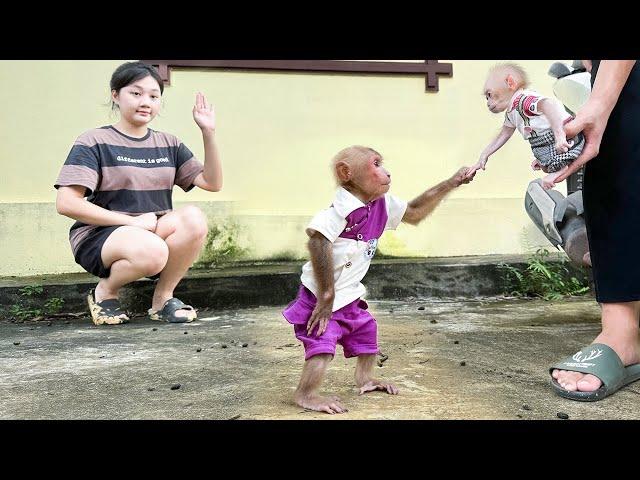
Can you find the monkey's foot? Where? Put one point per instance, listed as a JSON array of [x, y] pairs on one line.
[[374, 384], [330, 405]]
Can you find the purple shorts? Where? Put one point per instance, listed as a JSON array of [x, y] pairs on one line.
[[351, 326]]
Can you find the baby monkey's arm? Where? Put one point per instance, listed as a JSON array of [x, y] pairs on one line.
[[503, 136], [555, 113]]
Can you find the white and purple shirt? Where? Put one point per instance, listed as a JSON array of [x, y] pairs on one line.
[[524, 113], [354, 229]]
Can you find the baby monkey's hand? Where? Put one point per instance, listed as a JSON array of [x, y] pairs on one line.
[[562, 145], [480, 164]]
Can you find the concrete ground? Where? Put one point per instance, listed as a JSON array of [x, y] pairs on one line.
[[245, 364]]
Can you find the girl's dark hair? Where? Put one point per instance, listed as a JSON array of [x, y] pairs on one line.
[[129, 72]]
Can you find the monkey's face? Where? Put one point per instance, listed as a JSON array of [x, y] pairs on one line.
[[372, 178], [498, 94]]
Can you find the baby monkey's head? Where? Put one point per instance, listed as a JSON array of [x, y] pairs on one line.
[[502, 82]]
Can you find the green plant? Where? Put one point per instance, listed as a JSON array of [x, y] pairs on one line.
[[25, 309], [31, 290], [20, 312], [53, 305], [221, 245], [543, 278]]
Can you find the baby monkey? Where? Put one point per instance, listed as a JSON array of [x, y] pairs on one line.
[[538, 118]]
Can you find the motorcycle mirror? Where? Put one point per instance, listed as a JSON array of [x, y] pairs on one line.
[[559, 70], [577, 65]]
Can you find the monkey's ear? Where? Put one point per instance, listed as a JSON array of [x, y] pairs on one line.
[[343, 171], [511, 83]]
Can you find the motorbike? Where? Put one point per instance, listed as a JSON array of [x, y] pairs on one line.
[[560, 218]]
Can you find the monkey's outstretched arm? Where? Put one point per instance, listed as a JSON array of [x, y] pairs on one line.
[[500, 139], [420, 207], [503, 136]]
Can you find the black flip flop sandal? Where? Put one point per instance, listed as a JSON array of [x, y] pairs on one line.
[[168, 312]]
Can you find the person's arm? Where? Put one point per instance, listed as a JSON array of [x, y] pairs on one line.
[[420, 207], [211, 178], [70, 202], [503, 136], [592, 118], [321, 250]]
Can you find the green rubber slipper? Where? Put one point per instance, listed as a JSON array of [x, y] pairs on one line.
[[602, 361]]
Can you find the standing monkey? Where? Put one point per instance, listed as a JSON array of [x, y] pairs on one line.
[[342, 241]]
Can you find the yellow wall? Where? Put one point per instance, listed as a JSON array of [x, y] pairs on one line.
[[277, 133]]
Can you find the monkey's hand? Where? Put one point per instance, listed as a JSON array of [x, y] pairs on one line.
[[480, 164], [562, 145], [464, 175], [320, 317]]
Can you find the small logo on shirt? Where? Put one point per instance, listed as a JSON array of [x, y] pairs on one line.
[[372, 245]]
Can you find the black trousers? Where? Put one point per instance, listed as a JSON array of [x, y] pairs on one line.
[[611, 194]]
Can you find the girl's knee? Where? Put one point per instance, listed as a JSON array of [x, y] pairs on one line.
[[194, 222], [151, 257]]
